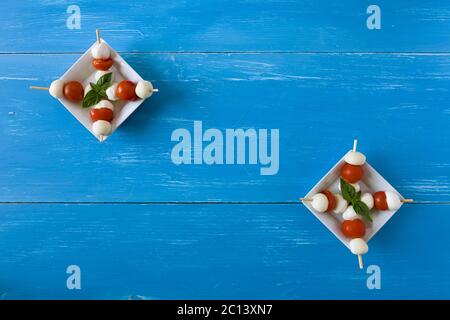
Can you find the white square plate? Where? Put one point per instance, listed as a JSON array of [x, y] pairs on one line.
[[83, 72], [371, 182]]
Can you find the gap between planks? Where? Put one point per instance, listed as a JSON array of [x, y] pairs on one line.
[[183, 203], [406, 53]]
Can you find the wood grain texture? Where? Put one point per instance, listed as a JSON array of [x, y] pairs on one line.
[[221, 25], [395, 104], [213, 251], [308, 68]]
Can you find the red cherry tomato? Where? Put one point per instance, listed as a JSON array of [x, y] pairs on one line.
[[102, 64], [351, 173], [102, 114], [73, 91], [331, 200], [125, 90], [379, 200], [353, 228]]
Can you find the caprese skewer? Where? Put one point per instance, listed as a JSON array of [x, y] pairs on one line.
[[102, 114], [352, 171], [388, 200], [101, 54], [72, 90], [130, 91]]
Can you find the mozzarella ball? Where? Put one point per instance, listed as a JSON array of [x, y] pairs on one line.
[[358, 246], [101, 128], [87, 89], [104, 104], [111, 92], [144, 89], [355, 185], [100, 51], [320, 202], [367, 198], [101, 73], [355, 158], [393, 200], [341, 204], [350, 214], [56, 89]]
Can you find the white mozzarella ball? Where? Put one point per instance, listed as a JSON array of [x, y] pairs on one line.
[[87, 89], [100, 51], [393, 200], [355, 185], [144, 89], [56, 89], [320, 202], [111, 92], [358, 246], [355, 158], [104, 104], [341, 204], [101, 128], [101, 73], [350, 214], [367, 198]]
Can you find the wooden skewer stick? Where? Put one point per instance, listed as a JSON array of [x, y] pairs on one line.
[[155, 90], [306, 199], [102, 138], [39, 88], [355, 144], [97, 32], [360, 261]]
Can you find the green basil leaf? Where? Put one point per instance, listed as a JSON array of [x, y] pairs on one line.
[[91, 98], [105, 80], [103, 95], [348, 191], [95, 87], [362, 209]]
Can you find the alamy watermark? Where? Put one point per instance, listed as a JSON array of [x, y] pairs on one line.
[[234, 147], [373, 22], [74, 279], [74, 20], [374, 279]]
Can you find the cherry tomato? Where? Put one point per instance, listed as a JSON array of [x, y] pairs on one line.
[[102, 114], [331, 200], [125, 90], [351, 173], [102, 64], [353, 228], [73, 91], [379, 200]]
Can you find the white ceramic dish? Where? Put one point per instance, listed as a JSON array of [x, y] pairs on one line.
[[371, 182], [83, 71]]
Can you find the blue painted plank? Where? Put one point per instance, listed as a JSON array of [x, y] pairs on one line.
[[214, 251], [221, 25], [395, 104]]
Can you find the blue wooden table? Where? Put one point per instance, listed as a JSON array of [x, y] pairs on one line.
[[141, 227]]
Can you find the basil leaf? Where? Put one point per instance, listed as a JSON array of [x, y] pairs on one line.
[[362, 209], [354, 198], [91, 98], [103, 94], [105, 80], [348, 191], [98, 91], [95, 87]]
